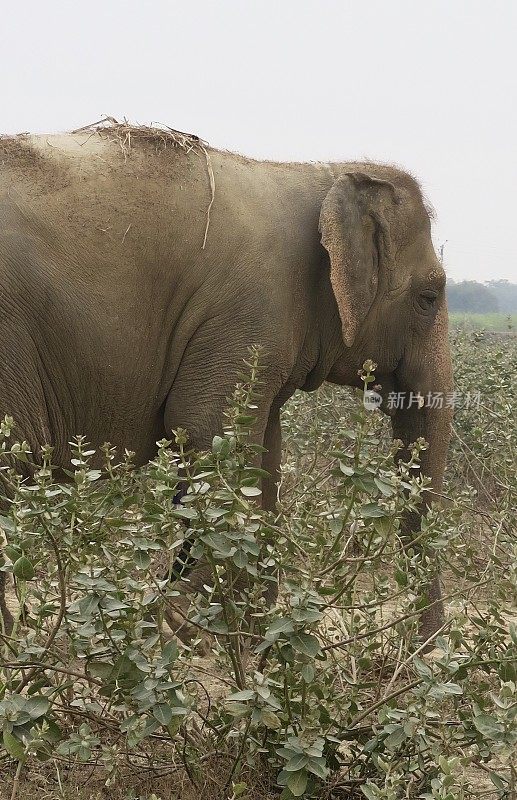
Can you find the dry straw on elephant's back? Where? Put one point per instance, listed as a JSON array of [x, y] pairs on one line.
[[127, 135], [160, 137]]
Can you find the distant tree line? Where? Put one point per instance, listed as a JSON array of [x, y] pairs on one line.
[[482, 298]]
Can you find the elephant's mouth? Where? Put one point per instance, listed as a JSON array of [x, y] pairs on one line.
[[400, 392]]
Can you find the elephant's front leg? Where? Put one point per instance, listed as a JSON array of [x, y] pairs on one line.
[[271, 459], [197, 403]]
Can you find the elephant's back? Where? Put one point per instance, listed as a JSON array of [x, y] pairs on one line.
[[110, 192], [57, 160], [47, 164], [120, 198]]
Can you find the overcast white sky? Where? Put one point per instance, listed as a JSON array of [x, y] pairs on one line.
[[431, 86]]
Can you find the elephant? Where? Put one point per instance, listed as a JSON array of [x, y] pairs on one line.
[[137, 266]]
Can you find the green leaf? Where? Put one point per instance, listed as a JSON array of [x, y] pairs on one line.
[[112, 604], [278, 626], [12, 552], [270, 719], [237, 709], [7, 524], [318, 767], [345, 469], [86, 606], [240, 559], [23, 569], [245, 419], [100, 669], [251, 491], [297, 782], [53, 733], [183, 512], [141, 559], [422, 668], [163, 713], [487, 725], [296, 763], [246, 694], [305, 643], [384, 487], [382, 525], [371, 510], [219, 544], [13, 746], [170, 652], [336, 526], [513, 631], [217, 446], [449, 688], [498, 782], [395, 738], [401, 577], [37, 706], [308, 673]]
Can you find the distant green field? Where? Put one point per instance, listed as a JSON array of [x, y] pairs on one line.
[[491, 322]]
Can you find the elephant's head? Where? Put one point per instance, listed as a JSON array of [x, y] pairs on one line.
[[390, 291]]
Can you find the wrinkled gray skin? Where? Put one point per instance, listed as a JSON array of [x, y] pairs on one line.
[[116, 323]]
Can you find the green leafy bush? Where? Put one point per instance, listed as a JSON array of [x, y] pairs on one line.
[[327, 693]]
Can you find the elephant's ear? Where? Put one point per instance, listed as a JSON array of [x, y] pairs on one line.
[[355, 232]]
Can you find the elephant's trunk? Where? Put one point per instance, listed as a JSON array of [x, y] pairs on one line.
[[432, 422], [434, 426]]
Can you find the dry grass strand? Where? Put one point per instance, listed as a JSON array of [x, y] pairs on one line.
[[161, 136]]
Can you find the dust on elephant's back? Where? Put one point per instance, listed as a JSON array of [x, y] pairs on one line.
[[118, 200]]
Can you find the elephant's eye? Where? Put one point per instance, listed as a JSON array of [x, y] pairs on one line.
[[427, 299]]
